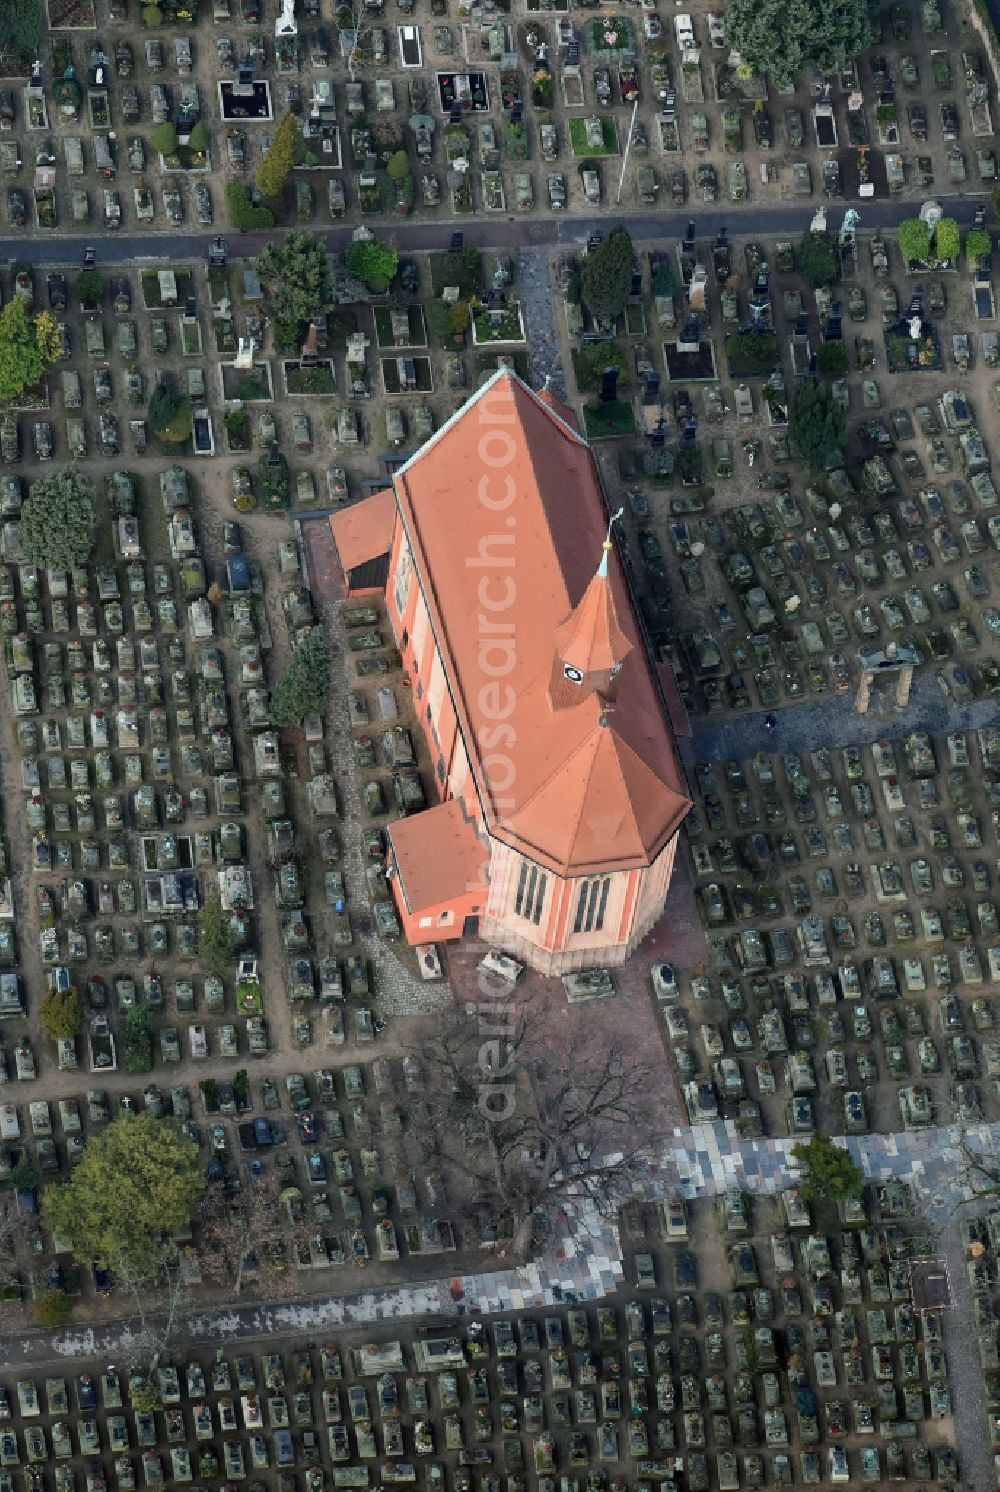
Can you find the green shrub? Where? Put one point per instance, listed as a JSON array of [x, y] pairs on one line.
[[752, 353], [90, 286], [663, 279], [592, 359], [818, 263], [832, 359], [438, 316], [245, 214], [171, 416], [198, 140], [398, 166], [978, 243], [914, 241], [373, 262], [137, 1040], [947, 239], [164, 138], [816, 423]]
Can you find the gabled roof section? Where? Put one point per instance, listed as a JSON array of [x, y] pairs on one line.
[[505, 515], [363, 531], [563, 411], [438, 856], [501, 376]]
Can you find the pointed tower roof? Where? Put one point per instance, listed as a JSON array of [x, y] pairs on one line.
[[591, 638]]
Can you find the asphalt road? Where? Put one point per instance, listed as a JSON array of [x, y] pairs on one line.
[[506, 233]]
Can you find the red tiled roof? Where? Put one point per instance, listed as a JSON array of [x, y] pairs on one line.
[[439, 857], [591, 638], [363, 531], [575, 788], [546, 396]]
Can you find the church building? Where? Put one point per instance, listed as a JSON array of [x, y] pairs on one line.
[[560, 791]]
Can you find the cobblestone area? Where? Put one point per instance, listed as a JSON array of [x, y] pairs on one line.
[[538, 308], [399, 991]]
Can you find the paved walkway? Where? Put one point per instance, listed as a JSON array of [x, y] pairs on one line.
[[965, 1372], [587, 1264], [705, 1159], [832, 721], [399, 991]]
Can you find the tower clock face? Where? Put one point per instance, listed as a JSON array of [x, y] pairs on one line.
[[573, 674]]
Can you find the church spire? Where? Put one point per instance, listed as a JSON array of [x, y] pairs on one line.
[[590, 644]]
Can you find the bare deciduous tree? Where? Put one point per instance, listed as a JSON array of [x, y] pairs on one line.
[[14, 1236], [978, 1175], [159, 1302], [355, 24], [250, 1236], [536, 1122]]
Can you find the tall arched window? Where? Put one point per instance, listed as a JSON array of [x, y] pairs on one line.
[[532, 885], [591, 904]]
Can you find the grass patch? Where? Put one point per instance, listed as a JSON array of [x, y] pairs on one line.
[[237, 425], [185, 159], [609, 137], [224, 331], [219, 285], [463, 269], [251, 385], [635, 319], [604, 420], [488, 362], [690, 465], [590, 360], [422, 369], [383, 327], [191, 338], [610, 33], [319, 378], [507, 330], [340, 324], [151, 288]]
